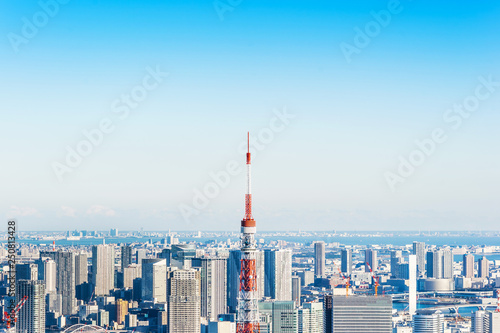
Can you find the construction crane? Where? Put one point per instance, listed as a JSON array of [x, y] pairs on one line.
[[375, 278], [14, 312], [347, 281]]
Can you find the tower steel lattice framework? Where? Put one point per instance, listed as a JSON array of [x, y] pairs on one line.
[[248, 303]]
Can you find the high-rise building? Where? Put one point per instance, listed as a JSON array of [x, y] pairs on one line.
[[130, 273], [440, 264], [319, 259], [103, 269], [492, 322], [477, 321], [371, 260], [311, 318], [419, 251], [328, 314], [47, 272], [31, 317], [434, 264], [103, 318], [412, 285], [367, 314], [139, 255], [27, 272], [81, 269], [213, 286], [428, 321], [468, 266], [483, 268], [65, 263], [181, 255], [131, 320], [296, 289], [126, 251], [396, 259], [278, 274], [306, 277], [283, 314], [233, 277], [184, 301], [447, 264], [121, 311], [346, 261], [154, 280]]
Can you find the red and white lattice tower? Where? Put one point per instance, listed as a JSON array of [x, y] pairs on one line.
[[248, 303]]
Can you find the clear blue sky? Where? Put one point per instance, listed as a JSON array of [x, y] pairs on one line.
[[325, 170]]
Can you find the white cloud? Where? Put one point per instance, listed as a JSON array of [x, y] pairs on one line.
[[16, 211], [100, 210], [67, 211]]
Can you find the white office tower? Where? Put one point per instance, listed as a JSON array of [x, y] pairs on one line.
[[65, 282], [419, 251], [233, 277], [311, 318], [81, 269], [447, 264], [485, 322], [31, 317], [493, 320], [319, 259], [283, 315], [50, 276], [154, 280], [412, 286], [428, 321], [363, 314], [103, 269], [129, 274], [371, 260], [477, 321], [213, 286], [184, 301], [278, 274]]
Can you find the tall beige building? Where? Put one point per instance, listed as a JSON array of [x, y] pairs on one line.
[[483, 268], [184, 301], [103, 269], [129, 274], [468, 266]]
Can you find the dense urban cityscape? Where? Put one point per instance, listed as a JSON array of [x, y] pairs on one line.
[[189, 282]]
